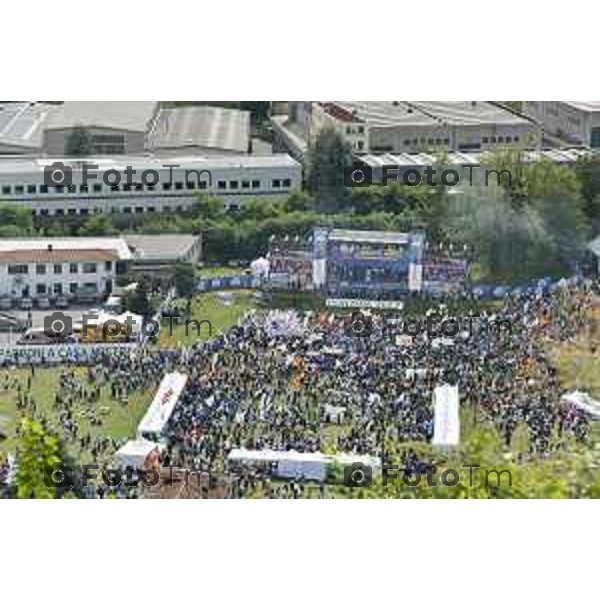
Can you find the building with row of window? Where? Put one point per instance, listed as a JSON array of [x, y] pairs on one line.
[[402, 126], [88, 267], [142, 184], [575, 122]]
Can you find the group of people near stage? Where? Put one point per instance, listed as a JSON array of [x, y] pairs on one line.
[[274, 381]]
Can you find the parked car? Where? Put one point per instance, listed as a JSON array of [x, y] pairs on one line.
[[25, 304], [62, 302], [11, 323], [43, 302]]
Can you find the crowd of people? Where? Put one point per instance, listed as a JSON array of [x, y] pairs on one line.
[[270, 382]]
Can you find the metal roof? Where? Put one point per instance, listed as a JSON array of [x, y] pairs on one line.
[[130, 116], [168, 247], [74, 245], [369, 237], [203, 126], [22, 123]]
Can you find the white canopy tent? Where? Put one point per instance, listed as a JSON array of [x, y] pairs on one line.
[[260, 267], [163, 404], [446, 420], [135, 453], [584, 402], [292, 465]]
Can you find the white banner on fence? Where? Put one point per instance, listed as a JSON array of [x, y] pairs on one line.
[[358, 303], [415, 277], [58, 353], [446, 423], [163, 404]]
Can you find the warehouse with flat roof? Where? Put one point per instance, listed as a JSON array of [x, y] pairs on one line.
[[572, 121], [402, 126]]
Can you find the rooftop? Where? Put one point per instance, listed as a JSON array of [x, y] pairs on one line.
[[19, 164], [401, 112], [204, 126], [22, 123], [68, 249], [160, 247], [585, 105], [131, 116]]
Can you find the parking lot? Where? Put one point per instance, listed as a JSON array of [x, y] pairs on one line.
[[37, 319]]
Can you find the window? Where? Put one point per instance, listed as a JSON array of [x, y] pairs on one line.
[[516, 139], [166, 186], [127, 187], [40, 289], [73, 268], [150, 209], [139, 187], [31, 189], [43, 212], [139, 209], [255, 184], [72, 211], [59, 189], [202, 185], [43, 189], [407, 142], [151, 188], [97, 187], [18, 269], [58, 289], [89, 267], [84, 211], [360, 144], [6, 189], [71, 189], [484, 140], [72, 288], [108, 266], [276, 183], [178, 185], [108, 144], [127, 209], [222, 185], [245, 184], [59, 211], [190, 185], [500, 139], [115, 188], [58, 269], [361, 129], [19, 189], [40, 269], [287, 183], [233, 185], [166, 209]]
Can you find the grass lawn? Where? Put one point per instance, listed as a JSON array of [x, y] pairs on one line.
[[220, 271], [119, 421], [207, 307]]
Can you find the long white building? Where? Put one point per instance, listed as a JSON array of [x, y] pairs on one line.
[[142, 184]]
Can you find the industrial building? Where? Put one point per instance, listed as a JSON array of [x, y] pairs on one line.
[[113, 128], [574, 122], [155, 185], [402, 126]]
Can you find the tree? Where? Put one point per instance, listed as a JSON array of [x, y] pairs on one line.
[[18, 217], [208, 207], [327, 159], [184, 279], [138, 300], [100, 224], [38, 454], [300, 200], [79, 142]]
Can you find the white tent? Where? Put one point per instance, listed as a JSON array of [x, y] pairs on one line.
[[163, 404], [293, 465], [135, 453], [446, 423], [584, 402], [260, 267]]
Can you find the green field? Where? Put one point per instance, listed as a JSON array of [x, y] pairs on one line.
[[207, 307], [118, 420]]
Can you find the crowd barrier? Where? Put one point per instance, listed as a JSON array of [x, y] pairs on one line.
[[208, 284]]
